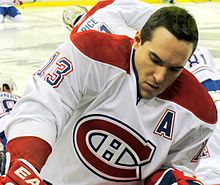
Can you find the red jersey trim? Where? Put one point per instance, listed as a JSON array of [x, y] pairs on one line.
[[30, 148], [103, 47]]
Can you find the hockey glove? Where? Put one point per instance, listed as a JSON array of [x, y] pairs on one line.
[[23, 173], [18, 2], [172, 177]]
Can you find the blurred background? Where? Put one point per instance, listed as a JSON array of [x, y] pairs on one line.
[[24, 46]]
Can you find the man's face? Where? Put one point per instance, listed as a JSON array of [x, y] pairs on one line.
[[159, 61]]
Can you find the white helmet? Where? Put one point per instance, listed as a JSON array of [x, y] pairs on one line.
[[72, 15], [6, 80]]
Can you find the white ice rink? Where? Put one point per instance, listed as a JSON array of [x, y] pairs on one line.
[[25, 46]]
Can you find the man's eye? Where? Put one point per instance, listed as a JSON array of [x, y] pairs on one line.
[[175, 69], [156, 61]]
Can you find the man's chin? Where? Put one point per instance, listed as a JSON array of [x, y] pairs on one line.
[[147, 95]]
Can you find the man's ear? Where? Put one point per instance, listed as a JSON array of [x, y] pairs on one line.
[[137, 40]]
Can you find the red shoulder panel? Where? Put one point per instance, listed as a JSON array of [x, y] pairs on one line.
[[189, 93], [103, 47]]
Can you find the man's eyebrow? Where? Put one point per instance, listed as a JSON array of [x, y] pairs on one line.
[[162, 61]]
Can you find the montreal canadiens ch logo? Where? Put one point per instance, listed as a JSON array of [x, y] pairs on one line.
[[110, 148]]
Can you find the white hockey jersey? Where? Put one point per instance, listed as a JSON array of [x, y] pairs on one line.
[[202, 66], [85, 104], [6, 3], [7, 102], [122, 17]]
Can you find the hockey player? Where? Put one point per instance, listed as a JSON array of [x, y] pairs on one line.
[[6, 83], [119, 17], [7, 102], [200, 64], [7, 99], [119, 109], [7, 9]]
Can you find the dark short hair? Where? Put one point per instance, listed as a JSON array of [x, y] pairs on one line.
[[6, 86], [176, 20]]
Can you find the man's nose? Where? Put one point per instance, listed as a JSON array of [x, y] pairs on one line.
[[160, 74]]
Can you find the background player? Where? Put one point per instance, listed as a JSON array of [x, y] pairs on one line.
[[6, 83], [7, 9], [118, 17], [202, 65], [7, 102]]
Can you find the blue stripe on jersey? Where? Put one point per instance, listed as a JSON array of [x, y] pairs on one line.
[[211, 85]]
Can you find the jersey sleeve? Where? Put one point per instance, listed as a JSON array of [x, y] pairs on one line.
[[186, 151], [134, 13]]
